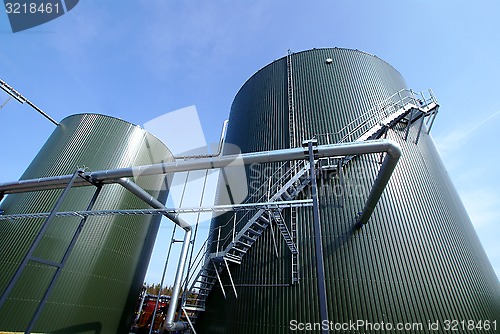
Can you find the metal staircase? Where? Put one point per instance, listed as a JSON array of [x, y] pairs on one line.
[[404, 106], [242, 241]]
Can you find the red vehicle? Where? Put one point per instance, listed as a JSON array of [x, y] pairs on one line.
[[145, 310]]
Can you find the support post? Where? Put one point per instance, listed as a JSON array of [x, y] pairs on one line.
[[234, 226], [340, 171], [230, 277], [272, 234], [320, 265], [409, 124], [420, 129], [218, 278], [218, 240], [432, 121]]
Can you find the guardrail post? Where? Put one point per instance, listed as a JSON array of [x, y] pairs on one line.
[[218, 239]]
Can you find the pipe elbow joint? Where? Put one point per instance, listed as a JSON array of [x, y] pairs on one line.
[[176, 326], [394, 149]]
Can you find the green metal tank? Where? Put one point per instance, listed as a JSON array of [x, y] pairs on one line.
[[97, 289], [418, 260]]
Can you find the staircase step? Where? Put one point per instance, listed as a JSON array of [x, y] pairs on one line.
[[202, 294], [205, 281], [243, 243], [264, 219], [207, 276], [255, 232], [195, 300], [248, 237], [231, 253], [260, 225], [194, 308], [239, 250], [233, 258]]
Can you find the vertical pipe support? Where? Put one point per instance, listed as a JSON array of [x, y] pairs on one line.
[[320, 265], [390, 161], [170, 324]]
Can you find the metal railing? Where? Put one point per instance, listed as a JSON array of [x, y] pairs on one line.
[[264, 190], [405, 98]]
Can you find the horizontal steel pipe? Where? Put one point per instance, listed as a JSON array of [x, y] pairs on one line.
[[108, 176]]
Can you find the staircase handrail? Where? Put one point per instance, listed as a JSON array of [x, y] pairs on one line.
[[385, 108], [222, 243]]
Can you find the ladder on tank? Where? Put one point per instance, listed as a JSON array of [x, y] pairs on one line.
[[292, 141], [404, 106]]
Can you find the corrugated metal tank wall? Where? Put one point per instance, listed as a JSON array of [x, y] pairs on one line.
[[418, 259], [97, 290]]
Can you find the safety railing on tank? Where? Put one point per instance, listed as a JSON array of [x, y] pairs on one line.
[[404, 98], [267, 190], [264, 190], [255, 198]]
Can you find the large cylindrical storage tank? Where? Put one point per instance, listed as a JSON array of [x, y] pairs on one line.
[[417, 260], [97, 289]]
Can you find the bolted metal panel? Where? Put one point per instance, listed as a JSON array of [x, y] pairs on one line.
[[98, 287], [417, 260]]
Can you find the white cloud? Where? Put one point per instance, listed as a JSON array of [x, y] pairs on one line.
[[467, 152], [456, 138]]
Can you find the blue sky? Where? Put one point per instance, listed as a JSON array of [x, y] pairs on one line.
[[138, 60]]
